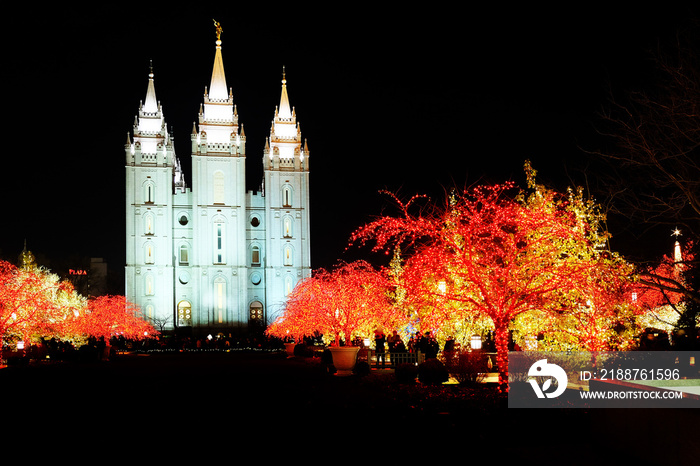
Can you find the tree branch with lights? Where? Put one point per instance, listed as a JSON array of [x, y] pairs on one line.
[[350, 301], [500, 252], [36, 304]]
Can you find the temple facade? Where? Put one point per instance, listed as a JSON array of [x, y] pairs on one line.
[[215, 257]]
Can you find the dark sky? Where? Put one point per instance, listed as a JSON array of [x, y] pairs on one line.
[[409, 100]]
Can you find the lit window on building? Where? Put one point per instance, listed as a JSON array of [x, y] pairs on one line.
[[219, 299], [184, 254]]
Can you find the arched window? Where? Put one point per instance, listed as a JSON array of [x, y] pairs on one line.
[[219, 243], [288, 255], [219, 188], [149, 192], [184, 255], [288, 284], [148, 223], [255, 256], [256, 312], [219, 299], [149, 253], [149, 285], [287, 196], [184, 312], [287, 227]]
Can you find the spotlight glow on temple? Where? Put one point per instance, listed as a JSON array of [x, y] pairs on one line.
[[215, 257]]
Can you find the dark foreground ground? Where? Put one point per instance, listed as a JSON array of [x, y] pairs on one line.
[[264, 396]]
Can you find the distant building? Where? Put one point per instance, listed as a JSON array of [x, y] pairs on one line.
[[215, 257], [97, 277]]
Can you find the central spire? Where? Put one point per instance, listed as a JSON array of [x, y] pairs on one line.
[[151, 104], [217, 88], [284, 110]]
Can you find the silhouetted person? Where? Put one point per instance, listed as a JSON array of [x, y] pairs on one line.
[[380, 341], [396, 347]]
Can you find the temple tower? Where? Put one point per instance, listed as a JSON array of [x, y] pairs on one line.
[[215, 257]]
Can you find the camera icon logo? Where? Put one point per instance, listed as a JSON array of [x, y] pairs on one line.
[[542, 369]]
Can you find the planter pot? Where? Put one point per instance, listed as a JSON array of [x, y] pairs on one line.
[[344, 358], [290, 349]]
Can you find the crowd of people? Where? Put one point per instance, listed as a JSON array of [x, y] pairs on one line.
[[101, 349], [424, 343]]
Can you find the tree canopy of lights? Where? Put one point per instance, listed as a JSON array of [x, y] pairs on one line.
[[36, 304], [345, 303], [665, 293], [107, 316], [500, 253]]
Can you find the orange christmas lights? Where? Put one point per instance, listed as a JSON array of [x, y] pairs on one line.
[[497, 252], [348, 302], [35, 304]]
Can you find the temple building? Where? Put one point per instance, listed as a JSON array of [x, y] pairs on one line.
[[215, 257]]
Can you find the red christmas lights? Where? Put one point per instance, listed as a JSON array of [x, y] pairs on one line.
[[347, 302], [35, 304], [107, 316], [664, 284], [497, 252]]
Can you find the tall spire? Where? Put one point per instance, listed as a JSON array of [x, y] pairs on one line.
[[26, 258], [217, 88], [677, 254], [151, 103], [284, 110]]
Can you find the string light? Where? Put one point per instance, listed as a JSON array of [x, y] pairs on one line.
[[497, 252], [37, 303], [343, 304]]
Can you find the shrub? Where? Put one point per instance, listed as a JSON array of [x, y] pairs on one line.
[[467, 367], [361, 368], [406, 372], [303, 351], [432, 372]]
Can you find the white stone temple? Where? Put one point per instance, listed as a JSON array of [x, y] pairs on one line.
[[215, 257]]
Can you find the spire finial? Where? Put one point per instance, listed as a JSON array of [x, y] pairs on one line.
[[284, 108], [151, 104], [218, 90], [219, 30]]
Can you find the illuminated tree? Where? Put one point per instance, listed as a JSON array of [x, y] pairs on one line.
[[296, 321], [606, 321], [108, 316], [35, 303], [666, 294], [423, 312], [348, 302], [499, 252]]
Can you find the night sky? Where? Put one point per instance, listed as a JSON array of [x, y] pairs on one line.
[[408, 100]]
